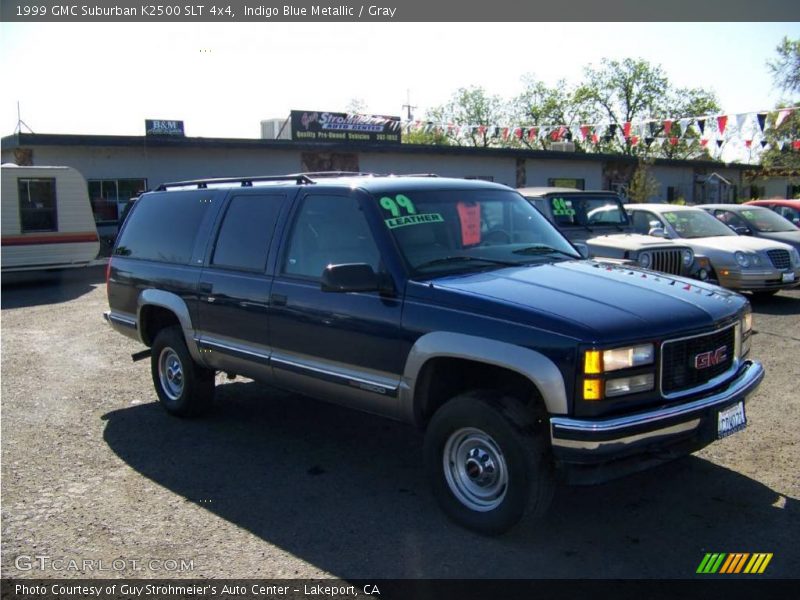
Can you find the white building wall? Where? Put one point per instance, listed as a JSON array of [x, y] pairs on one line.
[[680, 178], [161, 165], [539, 171]]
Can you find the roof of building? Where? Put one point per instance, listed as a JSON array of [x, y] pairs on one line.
[[20, 140]]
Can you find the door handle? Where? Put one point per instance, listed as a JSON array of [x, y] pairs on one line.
[[278, 300]]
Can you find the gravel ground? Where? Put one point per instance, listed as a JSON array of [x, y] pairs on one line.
[[277, 485]]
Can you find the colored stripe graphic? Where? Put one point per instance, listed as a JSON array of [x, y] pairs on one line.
[[711, 563], [758, 563], [62, 238], [733, 563]]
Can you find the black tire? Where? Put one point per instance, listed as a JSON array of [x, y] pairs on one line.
[[479, 434], [184, 388]]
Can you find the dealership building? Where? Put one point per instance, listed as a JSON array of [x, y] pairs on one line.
[[119, 167]]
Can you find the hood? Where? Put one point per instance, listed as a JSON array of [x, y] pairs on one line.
[[731, 243], [787, 237], [635, 241], [591, 301]]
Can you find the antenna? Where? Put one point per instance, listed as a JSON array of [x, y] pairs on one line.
[[408, 105], [20, 122]]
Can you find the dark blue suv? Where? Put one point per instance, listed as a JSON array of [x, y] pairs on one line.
[[447, 303]]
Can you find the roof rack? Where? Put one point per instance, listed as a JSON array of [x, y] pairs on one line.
[[298, 178], [417, 175], [202, 184]]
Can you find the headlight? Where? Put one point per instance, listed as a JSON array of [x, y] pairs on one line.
[[599, 362], [795, 256], [625, 358], [644, 260], [747, 323], [742, 259], [688, 257], [630, 385]]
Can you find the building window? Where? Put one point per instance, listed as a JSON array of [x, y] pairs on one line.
[[792, 191], [109, 197], [565, 182], [37, 205], [757, 192]]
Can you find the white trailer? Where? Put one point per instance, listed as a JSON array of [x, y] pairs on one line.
[[47, 220]]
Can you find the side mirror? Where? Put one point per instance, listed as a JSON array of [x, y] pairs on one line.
[[355, 277], [582, 249], [742, 230], [658, 232]]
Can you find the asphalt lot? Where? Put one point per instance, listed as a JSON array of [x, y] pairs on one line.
[[276, 485]]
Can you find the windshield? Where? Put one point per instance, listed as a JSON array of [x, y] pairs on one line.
[[765, 221], [696, 224], [587, 210], [439, 231]]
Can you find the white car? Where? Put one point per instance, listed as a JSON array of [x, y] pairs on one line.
[[739, 262]]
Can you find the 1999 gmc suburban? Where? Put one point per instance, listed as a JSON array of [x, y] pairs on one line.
[[451, 304]]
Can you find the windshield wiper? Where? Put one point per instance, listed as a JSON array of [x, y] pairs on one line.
[[542, 249], [462, 258]]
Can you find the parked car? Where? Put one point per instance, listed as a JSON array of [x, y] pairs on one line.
[[739, 262], [598, 221], [788, 209], [447, 303], [757, 221]]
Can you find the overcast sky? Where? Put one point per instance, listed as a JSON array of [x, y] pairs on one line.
[[223, 79]]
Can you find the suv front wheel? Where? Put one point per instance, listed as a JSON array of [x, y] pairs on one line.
[[487, 462], [184, 388]]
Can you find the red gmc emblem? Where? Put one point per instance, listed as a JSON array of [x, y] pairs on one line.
[[708, 359]]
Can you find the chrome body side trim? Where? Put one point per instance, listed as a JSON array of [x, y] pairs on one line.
[[123, 323]]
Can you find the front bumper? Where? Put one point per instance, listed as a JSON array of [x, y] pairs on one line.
[[762, 279], [591, 451]]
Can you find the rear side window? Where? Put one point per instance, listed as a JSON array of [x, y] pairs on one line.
[[163, 226], [246, 232]]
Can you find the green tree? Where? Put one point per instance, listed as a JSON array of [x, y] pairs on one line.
[[634, 91], [476, 113], [539, 105], [434, 137], [781, 153], [643, 185], [786, 67]]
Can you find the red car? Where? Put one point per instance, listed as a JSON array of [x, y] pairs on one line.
[[789, 209]]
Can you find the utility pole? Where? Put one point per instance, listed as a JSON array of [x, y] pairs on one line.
[[408, 105]]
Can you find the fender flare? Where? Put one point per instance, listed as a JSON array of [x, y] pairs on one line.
[[177, 306], [533, 365]]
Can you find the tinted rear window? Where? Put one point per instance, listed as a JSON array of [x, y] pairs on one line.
[[163, 226], [246, 232]]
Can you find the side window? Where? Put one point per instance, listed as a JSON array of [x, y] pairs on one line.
[[730, 219], [163, 226], [37, 205], [246, 232], [641, 222], [329, 230]]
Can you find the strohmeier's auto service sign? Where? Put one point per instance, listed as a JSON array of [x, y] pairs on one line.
[[344, 127]]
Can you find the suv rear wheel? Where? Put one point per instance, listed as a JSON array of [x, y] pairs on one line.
[[487, 462], [184, 388]]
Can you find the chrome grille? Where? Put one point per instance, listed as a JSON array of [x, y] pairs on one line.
[[667, 261], [679, 360], [779, 258]]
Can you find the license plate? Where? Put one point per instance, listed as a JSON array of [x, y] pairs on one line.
[[731, 420], [786, 277]]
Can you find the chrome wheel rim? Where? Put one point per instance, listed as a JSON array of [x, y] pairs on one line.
[[170, 373], [475, 469]]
